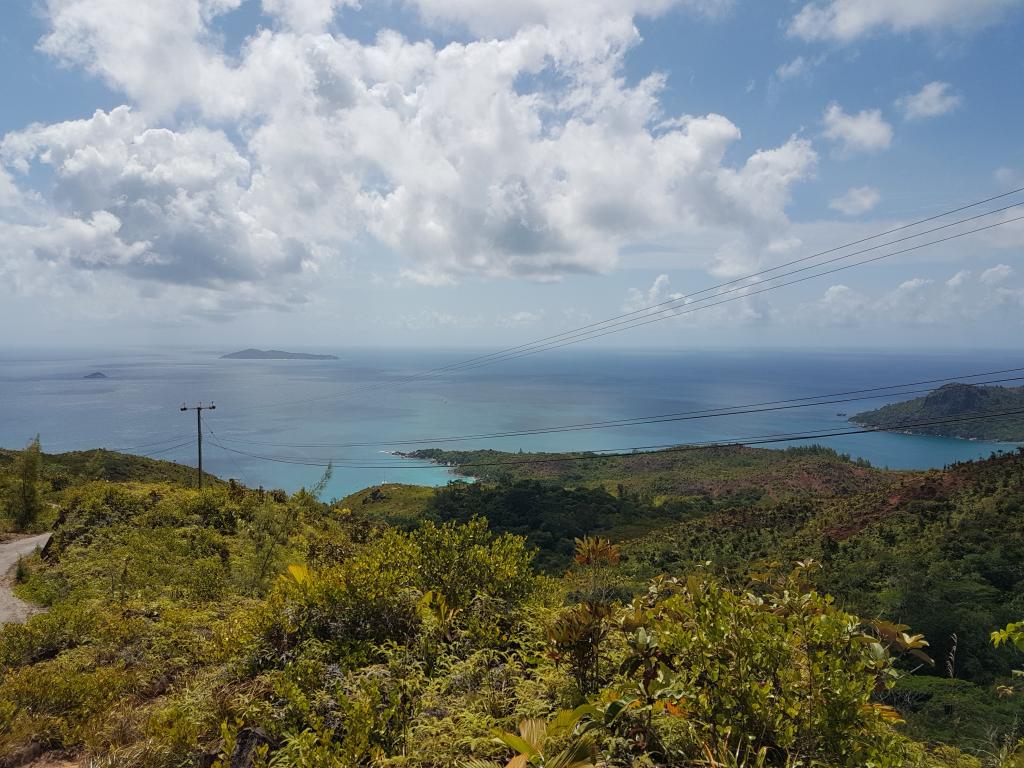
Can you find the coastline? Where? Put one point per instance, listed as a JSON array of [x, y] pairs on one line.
[[913, 433]]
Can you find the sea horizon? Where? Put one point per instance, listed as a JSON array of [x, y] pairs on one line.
[[299, 410]]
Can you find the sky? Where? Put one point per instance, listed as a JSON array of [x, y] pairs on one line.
[[330, 173]]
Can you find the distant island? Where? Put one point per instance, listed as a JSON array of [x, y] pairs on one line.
[[96, 375], [955, 401], [274, 354]]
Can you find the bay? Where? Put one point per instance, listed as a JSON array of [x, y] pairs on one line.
[[299, 410]]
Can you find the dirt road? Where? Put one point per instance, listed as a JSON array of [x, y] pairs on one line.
[[11, 608]]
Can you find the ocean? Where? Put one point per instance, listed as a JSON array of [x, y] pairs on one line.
[[300, 402]]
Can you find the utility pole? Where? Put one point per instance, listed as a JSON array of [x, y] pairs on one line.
[[199, 408]]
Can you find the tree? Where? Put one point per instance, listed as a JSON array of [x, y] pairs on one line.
[[22, 502]]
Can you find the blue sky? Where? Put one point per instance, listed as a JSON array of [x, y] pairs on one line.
[[468, 172]]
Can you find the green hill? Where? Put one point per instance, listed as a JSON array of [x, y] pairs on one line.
[[738, 618], [956, 401]]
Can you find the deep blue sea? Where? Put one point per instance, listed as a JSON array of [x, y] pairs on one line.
[[137, 407]]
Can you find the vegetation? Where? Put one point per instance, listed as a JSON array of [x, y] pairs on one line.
[[21, 501], [956, 401], [732, 469], [683, 623]]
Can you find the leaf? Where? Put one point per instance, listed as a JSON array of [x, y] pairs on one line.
[[518, 743], [580, 754], [299, 573], [567, 719], [889, 714]]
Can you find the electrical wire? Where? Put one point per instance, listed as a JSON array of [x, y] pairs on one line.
[[147, 445], [625, 452], [216, 441], [749, 408], [671, 314], [685, 300], [166, 450], [664, 311]]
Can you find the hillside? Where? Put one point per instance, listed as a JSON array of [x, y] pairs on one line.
[[736, 509], [400, 628], [273, 354], [955, 401], [718, 471], [63, 469]]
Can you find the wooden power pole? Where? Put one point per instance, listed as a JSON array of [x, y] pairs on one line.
[[199, 408]]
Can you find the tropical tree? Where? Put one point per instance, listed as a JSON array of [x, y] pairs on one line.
[[22, 503]]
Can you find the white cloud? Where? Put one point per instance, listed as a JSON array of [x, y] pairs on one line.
[[840, 305], [934, 99], [522, 156], [848, 20], [659, 292], [865, 131], [737, 310], [169, 206], [920, 301], [519, 319], [794, 68], [134, 47], [436, 319], [305, 15], [856, 200], [997, 274], [959, 279]]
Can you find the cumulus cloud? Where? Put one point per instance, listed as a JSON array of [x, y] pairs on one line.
[[865, 131], [305, 15], [856, 200], [920, 301], [840, 305], [164, 205], [152, 52], [738, 309], [959, 279], [848, 20], [436, 319], [659, 292], [934, 99], [997, 274], [519, 319], [791, 69], [525, 155]]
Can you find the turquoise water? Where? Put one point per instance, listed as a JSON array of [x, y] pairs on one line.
[[261, 401]]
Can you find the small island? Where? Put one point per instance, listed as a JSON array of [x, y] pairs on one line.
[[274, 354], [955, 401], [95, 375]]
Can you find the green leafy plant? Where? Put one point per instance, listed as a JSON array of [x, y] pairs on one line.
[[534, 742]]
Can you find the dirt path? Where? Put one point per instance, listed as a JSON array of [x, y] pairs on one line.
[[11, 608]]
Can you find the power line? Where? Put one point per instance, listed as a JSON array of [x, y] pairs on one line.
[[216, 441], [736, 410], [635, 450], [670, 314], [620, 323], [788, 264], [127, 448], [166, 450], [686, 300], [151, 443]]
